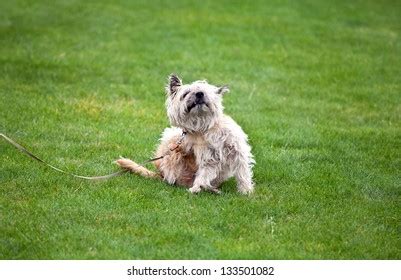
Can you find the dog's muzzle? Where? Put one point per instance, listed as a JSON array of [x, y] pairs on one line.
[[199, 101]]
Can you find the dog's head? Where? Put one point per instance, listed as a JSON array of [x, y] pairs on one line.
[[194, 107]]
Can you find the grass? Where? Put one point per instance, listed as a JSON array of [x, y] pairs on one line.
[[315, 84]]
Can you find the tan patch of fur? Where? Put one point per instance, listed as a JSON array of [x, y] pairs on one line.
[[181, 163]]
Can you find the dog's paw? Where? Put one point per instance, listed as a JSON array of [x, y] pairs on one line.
[[195, 189], [214, 190], [245, 190]]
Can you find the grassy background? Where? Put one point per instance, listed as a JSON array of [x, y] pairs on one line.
[[315, 84]]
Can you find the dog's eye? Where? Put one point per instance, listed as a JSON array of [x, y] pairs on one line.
[[184, 95]]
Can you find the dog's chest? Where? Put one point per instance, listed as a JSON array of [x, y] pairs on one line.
[[204, 149], [197, 143]]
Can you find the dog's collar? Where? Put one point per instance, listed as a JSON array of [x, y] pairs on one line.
[[184, 133]]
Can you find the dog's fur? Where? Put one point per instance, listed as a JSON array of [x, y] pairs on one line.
[[214, 149]]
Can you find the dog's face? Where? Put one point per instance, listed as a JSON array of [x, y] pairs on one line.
[[194, 107]]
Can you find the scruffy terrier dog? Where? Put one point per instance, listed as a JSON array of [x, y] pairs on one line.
[[213, 146]]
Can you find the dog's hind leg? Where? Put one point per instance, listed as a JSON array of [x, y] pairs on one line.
[[243, 175], [136, 168]]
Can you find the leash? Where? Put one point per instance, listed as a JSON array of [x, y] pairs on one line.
[[102, 177]]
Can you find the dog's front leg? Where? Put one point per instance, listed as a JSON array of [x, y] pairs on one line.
[[205, 175]]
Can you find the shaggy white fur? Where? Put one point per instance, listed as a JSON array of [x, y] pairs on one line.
[[215, 147]]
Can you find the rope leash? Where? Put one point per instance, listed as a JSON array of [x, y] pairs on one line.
[[103, 177]]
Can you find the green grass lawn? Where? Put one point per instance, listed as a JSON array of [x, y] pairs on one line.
[[315, 84]]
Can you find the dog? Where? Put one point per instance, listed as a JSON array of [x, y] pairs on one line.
[[204, 147]]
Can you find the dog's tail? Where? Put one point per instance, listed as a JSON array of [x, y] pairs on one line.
[[136, 168]]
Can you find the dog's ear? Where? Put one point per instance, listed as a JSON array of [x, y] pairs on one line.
[[223, 89], [174, 82]]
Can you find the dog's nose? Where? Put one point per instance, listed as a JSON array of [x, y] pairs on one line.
[[199, 94]]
